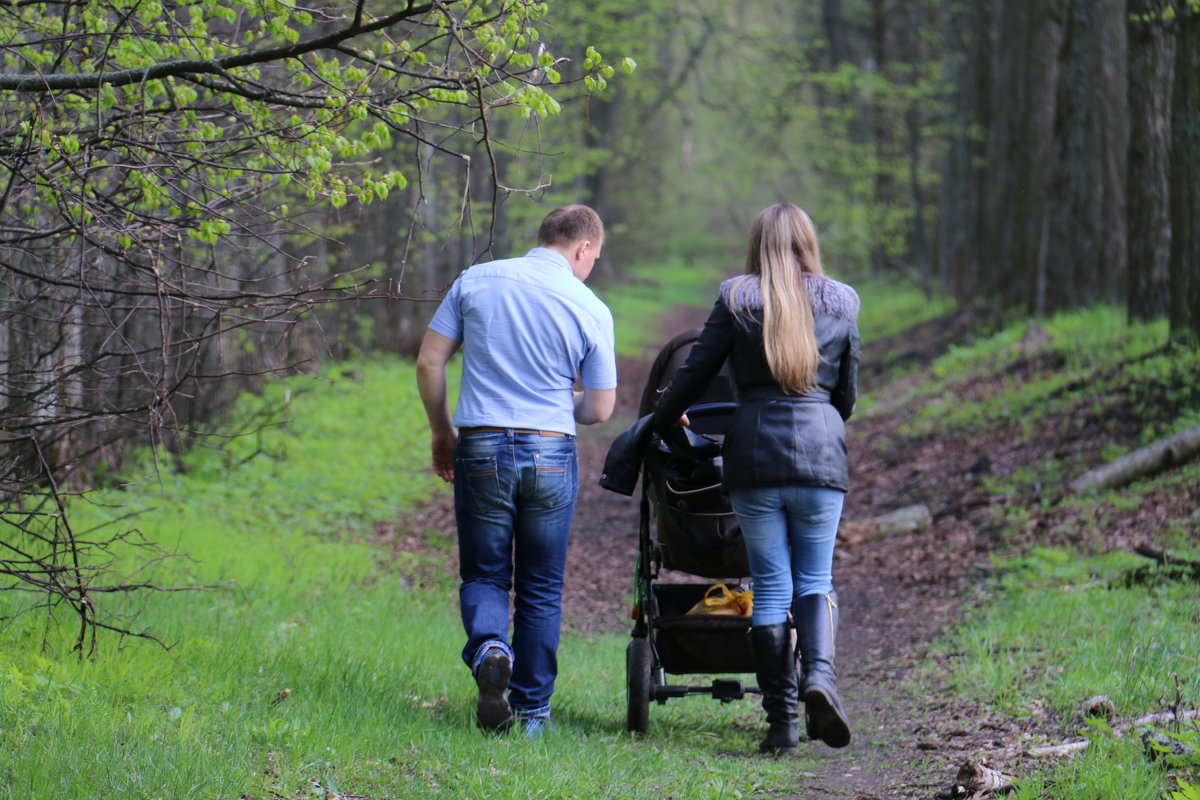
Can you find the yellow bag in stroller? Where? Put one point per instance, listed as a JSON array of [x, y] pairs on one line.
[[721, 600]]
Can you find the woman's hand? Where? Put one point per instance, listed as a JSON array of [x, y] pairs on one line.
[[683, 422]]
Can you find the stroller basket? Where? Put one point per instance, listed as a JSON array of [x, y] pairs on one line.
[[700, 643]]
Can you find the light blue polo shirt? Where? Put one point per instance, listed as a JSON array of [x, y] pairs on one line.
[[528, 328]]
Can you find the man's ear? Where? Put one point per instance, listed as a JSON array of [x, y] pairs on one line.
[[581, 247]]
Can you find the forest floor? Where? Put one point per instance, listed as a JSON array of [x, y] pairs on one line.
[[911, 729]]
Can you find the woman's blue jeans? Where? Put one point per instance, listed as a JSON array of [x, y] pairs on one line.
[[514, 497], [789, 533]]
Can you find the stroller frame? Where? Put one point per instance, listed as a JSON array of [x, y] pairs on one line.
[[665, 639]]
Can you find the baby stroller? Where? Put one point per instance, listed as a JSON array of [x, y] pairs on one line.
[[686, 525]]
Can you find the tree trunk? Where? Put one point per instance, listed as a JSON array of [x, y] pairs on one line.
[[918, 241], [968, 63], [1151, 67], [1084, 256], [1021, 152], [837, 34], [1163, 454], [883, 192], [1185, 180]]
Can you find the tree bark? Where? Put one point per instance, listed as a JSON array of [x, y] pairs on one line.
[[1021, 151], [968, 62], [1083, 261], [1151, 69], [918, 242], [1185, 179], [833, 20]]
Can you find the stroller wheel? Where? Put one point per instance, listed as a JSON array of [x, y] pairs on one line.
[[637, 681]]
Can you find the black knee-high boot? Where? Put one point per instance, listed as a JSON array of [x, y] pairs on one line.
[[775, 664], [816, 626]]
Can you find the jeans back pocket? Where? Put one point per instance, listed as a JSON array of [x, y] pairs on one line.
[[482, 477], [554, 478]]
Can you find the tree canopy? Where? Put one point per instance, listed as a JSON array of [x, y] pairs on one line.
[[161, 163]]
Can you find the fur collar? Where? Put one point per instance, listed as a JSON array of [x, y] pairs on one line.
[[826, 295]]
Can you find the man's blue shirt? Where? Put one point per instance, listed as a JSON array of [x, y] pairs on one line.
[[528, 329]]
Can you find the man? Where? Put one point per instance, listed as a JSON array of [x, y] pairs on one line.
[[528, 328]]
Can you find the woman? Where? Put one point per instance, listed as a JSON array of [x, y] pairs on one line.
[[791, 336]]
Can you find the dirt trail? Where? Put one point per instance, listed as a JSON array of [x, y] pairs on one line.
[[911, 732], [895, 595]]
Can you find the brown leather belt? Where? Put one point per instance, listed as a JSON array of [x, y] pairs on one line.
[[491, 429]]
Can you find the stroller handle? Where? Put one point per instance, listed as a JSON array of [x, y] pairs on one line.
[[710, 417], [710, 409]]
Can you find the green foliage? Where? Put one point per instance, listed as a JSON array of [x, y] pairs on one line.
[[1094, 346], [891, 305], [1058, 629], [649, 291], [132, 139], [1186, 791], [1110, 767], [1181, 749]]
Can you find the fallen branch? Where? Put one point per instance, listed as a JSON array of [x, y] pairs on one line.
[[1163, 454], [1059, 750], [1162, 718], [1168, 568], [1161, 557], [976, 780]]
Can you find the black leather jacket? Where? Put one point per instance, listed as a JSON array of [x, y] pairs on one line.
[[774, 438]]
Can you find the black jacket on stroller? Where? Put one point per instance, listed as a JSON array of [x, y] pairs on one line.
[[697, 531]]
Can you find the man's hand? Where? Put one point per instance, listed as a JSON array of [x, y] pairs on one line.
[[436, 350], [443, 454]]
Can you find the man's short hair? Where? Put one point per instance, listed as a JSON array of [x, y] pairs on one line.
[[570, 224]]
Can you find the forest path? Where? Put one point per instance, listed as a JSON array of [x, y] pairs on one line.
[[896, 595]]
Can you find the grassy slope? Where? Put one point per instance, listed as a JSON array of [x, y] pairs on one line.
[[323, 667], [1059, 624]]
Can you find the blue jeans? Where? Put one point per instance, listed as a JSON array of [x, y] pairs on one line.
[[514, 497], [789, 533]]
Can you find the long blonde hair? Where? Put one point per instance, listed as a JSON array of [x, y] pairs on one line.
[[783, 246]]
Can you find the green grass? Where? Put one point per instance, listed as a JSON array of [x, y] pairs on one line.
[[1109, 768], [891, 305], [1090, 354], [638, 302], [690, 276], [322, 665], [1059, 628]]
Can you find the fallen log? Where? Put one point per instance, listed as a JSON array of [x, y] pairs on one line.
[[1163, 454], [903, 520], [1152, 552], [1167, 568]]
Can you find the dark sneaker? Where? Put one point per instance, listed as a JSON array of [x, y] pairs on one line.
[[492, 676]]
